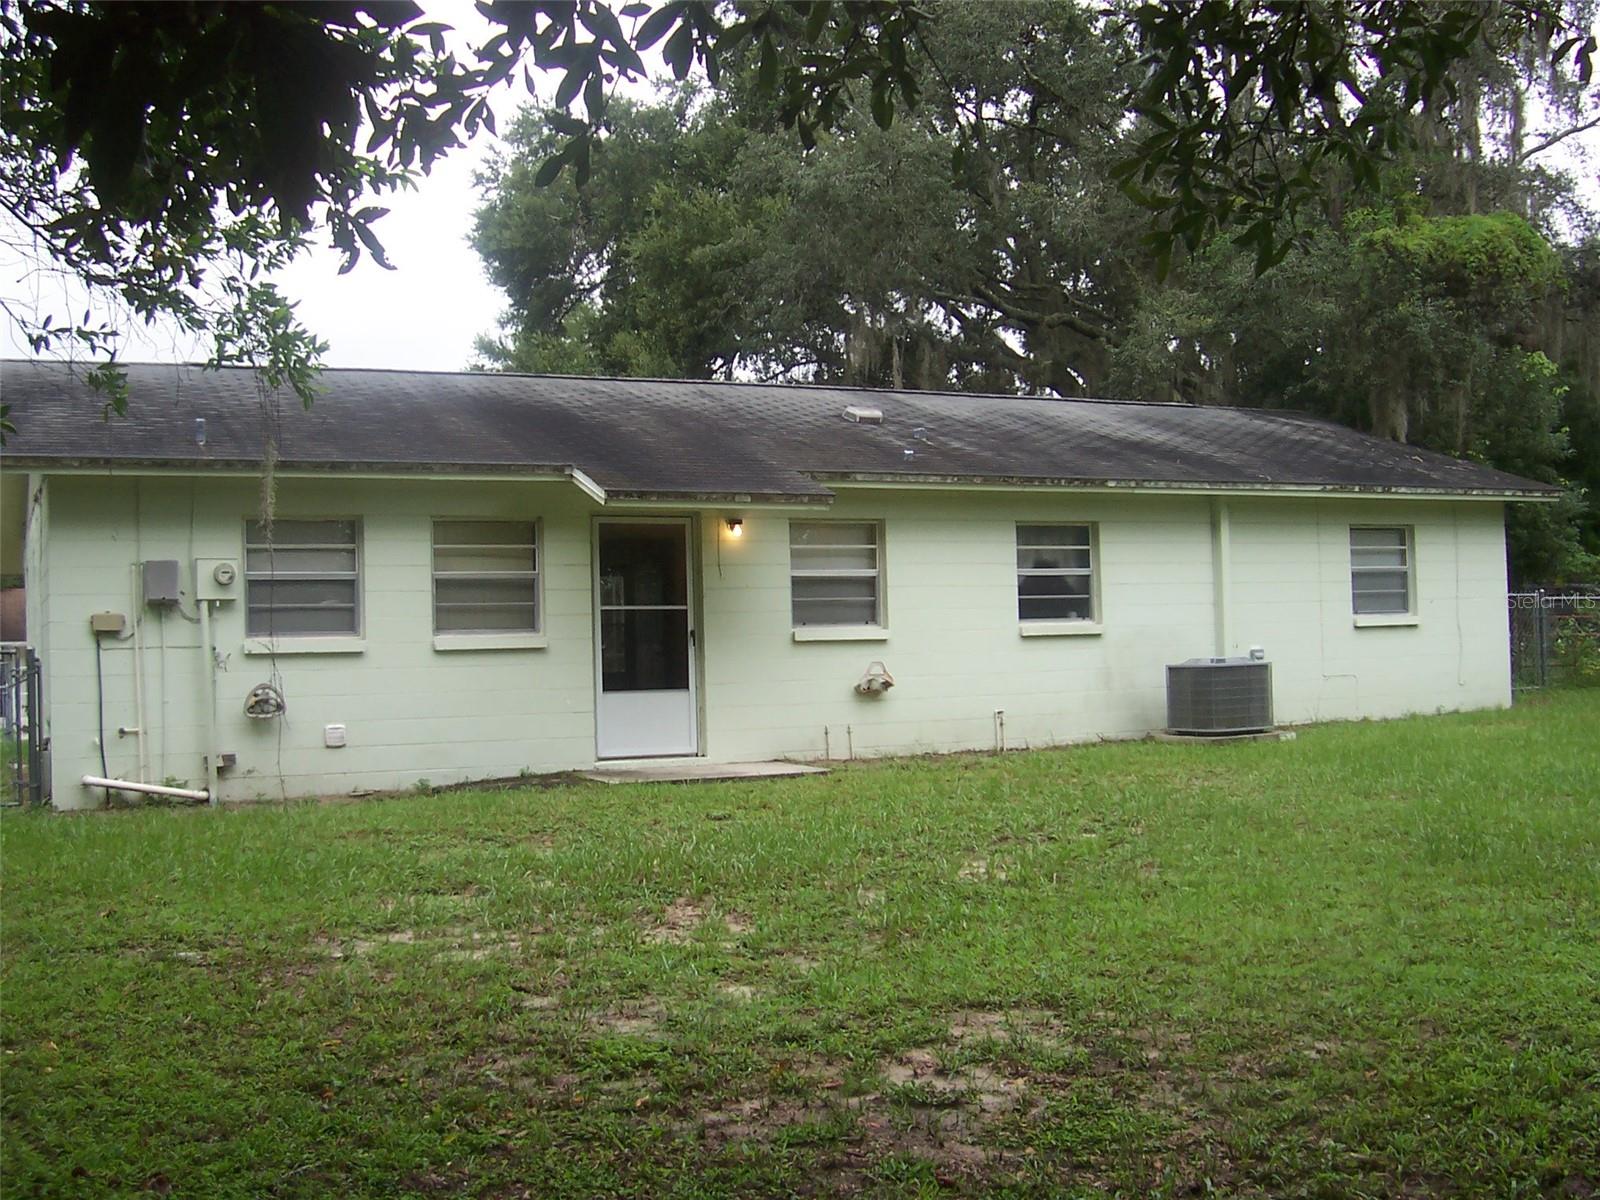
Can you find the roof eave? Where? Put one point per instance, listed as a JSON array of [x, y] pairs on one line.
[[528, 472], [1173, 487]]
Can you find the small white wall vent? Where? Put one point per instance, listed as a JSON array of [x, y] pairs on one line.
[[861, 415]]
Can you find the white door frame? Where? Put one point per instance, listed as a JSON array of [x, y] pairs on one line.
[[692, 744]]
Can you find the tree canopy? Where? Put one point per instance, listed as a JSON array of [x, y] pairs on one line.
[[169, 156], [1056, 198], [987, 242]]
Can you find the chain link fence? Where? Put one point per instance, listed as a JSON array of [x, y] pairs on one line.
[[21, 747], [1555, 638]]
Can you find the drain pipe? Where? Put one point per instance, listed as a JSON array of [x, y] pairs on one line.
[[1221, 561], [209, 657], [150, 789], [140, 725]]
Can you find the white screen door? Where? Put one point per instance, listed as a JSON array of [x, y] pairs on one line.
[[644, 640]]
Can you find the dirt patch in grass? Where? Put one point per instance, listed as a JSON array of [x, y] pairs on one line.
[[680, 920], [800, 1072], [479, 946], [453, 943], [944, 1117], [980, 870], [949, 1138], [1007, 1026], [759, 1121], [925, 1081], [640, 1019]]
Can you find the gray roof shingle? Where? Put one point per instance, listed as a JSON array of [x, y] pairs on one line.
[[691, 439]]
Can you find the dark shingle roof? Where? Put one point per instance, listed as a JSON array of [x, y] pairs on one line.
[[699, 439]]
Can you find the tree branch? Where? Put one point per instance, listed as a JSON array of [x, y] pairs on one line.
[[1554, 139]]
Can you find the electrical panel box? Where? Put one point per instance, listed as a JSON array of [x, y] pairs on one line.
[[217, 579], [160, 581], [107, 622]]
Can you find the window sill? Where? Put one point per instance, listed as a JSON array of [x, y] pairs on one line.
[[841, 633], [1060, 628], [306, 645], [490, 641], [1381, 620]]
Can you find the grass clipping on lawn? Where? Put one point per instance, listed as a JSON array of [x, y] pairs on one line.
[[1366, 962]]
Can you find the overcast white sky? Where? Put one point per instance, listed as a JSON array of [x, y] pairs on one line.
[[424, 314]]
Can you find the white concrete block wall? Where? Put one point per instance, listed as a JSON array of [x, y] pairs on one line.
[[954, 645], [1291, 595], [957, 653], [413, 712]]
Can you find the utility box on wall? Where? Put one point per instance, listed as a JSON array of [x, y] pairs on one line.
[[160, 581], [216, 579]]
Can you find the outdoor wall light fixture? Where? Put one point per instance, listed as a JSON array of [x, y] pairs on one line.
[[736, 527]]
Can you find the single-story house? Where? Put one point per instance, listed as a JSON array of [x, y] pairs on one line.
[[448, 577]]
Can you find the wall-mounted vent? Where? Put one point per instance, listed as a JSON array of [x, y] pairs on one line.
[[862, 415], [1219, 696]]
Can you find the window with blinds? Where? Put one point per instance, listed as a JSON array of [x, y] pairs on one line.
[[485, 577], [835, 572], [302, 578], [1380, 569], [1055, 573]]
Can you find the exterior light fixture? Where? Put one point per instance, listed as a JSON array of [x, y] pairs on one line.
[[736, 527]]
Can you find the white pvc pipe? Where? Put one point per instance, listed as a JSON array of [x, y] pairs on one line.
[[138, 692], [153, 789], [1221, 571], [210, 660]]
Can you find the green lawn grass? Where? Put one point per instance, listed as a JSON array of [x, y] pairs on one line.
[[1362, 963]]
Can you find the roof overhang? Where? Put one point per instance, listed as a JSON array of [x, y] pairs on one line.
[[819, 498], [559, 473], [17, 466], [879, 480]]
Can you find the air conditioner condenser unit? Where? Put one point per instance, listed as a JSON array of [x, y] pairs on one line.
[[1219, 696]]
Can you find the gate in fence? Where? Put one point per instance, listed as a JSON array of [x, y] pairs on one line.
[[1555, 638], [21, 736]]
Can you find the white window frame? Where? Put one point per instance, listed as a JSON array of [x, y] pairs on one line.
[[356, 577], [488, 639], [1038, 626], [876, 629], [1405, 616]]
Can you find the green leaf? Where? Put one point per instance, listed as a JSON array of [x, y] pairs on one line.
[[571, 84], [678, 53], [817, 19], [656, 25], [550, 170], [882, 104], [767, 70]]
